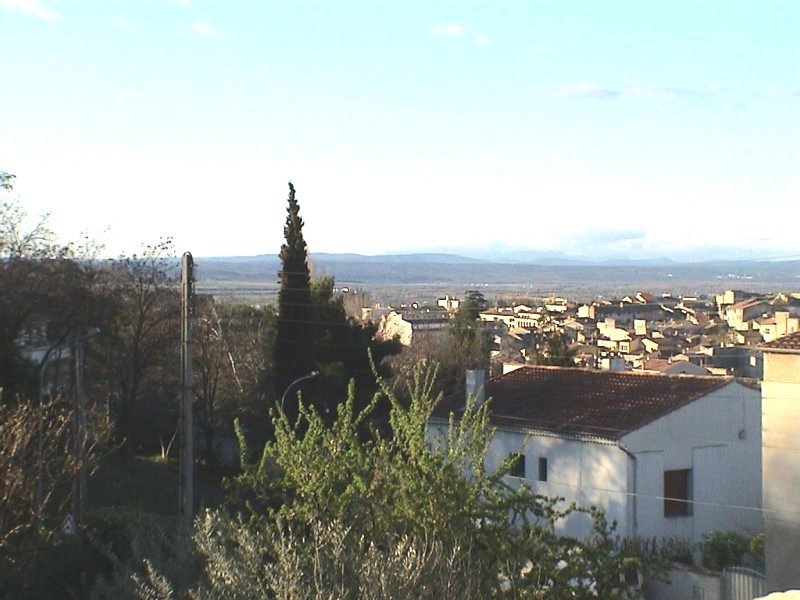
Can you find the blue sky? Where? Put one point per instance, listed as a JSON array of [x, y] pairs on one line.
[[619, 128]]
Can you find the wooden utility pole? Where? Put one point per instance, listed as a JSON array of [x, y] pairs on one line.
[[186, 484], [81, 497]]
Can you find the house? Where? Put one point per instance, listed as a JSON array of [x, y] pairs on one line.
[[407, 323], [639, 298], [730, 297], [740, 315], [506, 316], [673, 367], [777, 326], [626, 314], [781, 467], [448, 303], [663, 456]]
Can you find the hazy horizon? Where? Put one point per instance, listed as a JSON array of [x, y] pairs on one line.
[[620, 129]]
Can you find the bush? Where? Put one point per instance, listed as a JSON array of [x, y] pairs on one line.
[[721, 549]]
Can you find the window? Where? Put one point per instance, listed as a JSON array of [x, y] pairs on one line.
[[518, 466], [677, 492], [542, 469]]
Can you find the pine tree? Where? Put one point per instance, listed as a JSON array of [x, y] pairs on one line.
[[293, 352]]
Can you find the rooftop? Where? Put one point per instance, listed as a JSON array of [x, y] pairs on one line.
[[588, 402], [784, 344]]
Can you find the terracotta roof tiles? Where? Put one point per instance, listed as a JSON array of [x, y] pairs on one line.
[[587, 402], [786, 343]]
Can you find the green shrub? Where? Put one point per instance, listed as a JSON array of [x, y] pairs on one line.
[[721, 549]]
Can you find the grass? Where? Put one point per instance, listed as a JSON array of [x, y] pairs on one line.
[[148, 484]]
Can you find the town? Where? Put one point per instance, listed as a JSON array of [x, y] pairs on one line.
[[671, 335]]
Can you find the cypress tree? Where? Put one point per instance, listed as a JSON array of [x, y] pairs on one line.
[[293, 340]]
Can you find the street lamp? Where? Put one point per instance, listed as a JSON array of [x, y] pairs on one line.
[[295, 382]]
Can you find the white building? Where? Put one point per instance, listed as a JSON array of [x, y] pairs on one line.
[[781, 406], [663, 456]]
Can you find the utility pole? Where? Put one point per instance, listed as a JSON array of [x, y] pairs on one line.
[[80, 497], [186, 484]]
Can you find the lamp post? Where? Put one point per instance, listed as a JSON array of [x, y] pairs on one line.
[[295, 382]]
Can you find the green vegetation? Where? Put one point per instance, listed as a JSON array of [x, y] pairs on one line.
[[348, 496], [293, 339], [721, 549]]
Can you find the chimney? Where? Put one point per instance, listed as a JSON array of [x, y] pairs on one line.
[[475, 385]]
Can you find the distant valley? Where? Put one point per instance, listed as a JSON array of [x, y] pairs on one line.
[[400, 277]]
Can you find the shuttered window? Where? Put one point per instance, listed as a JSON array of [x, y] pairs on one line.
[[518, 467], [677, 492]]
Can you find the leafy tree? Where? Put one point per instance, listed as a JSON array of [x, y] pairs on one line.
[[138, 344], [555, 351], [471, 306], [342, 349], [464, 345], [229, 342], [45, 283], [319, 501], [6, 181], [293, 340]]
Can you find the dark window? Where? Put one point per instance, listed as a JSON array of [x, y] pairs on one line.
[[518, 466], [677, 492], [542, 469]]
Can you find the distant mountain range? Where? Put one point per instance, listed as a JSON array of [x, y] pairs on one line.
[[547, 271]]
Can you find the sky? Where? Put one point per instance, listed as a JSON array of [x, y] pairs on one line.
[[620, 128]]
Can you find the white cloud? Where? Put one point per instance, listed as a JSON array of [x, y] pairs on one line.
[[30, 7], [205, 29], [457, 30], [584, 89], [122, 23], [451, 29]]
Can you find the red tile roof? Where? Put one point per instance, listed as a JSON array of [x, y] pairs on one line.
[[747, 303], [787, 343], [587, 402]]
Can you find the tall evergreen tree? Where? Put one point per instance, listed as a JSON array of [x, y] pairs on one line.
[[293, 353]]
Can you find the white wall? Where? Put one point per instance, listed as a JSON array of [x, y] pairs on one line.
[[683, 583], [703, 436], [719, 438], [590, 474], [781, 423]]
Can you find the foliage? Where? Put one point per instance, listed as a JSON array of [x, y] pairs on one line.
[[464, 344], [331, 492], [555, 351], [293, 339], [721, 549], [38, 466], [6, 181], [324, 561], [313, 330], [47, 287], [148, 556], [757, 549], [136, 346], [342, 349]]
